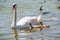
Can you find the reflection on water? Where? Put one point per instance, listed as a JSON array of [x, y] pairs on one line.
[[28, 34], [26, 8], [15, 34]]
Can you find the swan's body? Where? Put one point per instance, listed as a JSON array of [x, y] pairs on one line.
[[24, 22]]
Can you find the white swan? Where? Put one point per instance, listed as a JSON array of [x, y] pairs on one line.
[[27, 21]]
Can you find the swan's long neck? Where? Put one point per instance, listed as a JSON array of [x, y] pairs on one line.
[[15, 15]]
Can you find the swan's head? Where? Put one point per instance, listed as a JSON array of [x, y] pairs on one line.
[[14, 6]]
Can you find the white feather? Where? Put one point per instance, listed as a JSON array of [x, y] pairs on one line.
[[24, 22]]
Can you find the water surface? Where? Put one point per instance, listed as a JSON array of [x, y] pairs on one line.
[[29, 8]]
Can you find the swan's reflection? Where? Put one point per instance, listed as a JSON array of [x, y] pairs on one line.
[[15, 33], [27, 31]]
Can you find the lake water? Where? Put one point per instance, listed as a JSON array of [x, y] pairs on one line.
[[30, 8]]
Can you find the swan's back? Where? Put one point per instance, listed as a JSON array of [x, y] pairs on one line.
[[25, 21]]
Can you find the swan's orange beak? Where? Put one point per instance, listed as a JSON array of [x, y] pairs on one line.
[[14, 6]]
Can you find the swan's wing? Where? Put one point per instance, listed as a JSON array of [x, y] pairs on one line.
[[24, 22]]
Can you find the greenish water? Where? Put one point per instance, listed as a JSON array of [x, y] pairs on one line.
[[29, 8]]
